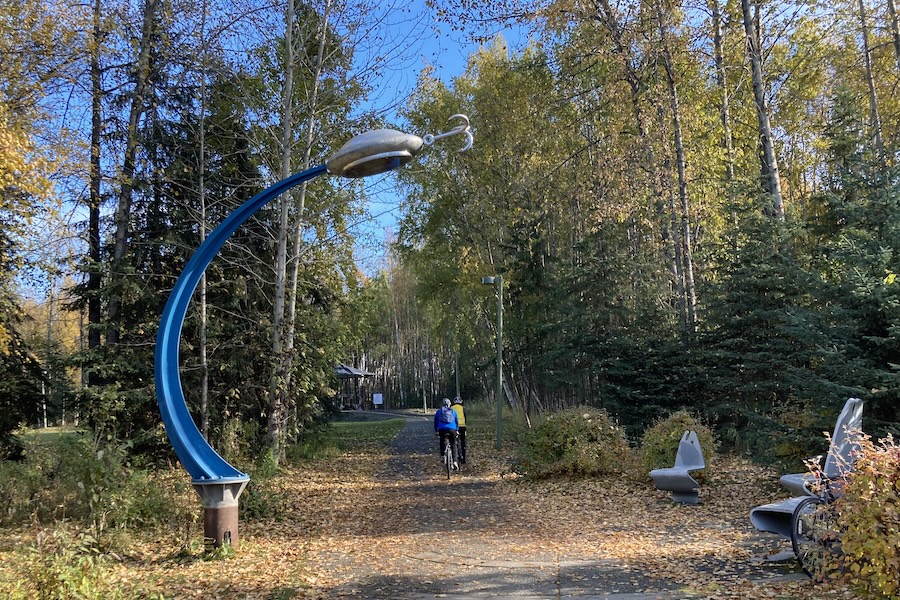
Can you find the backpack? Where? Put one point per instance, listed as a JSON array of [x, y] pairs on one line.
[[446, 415]]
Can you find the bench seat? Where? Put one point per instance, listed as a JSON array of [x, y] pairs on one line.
[[776, 517], [677, 479]]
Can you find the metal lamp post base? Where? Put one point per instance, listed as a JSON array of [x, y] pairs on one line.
[[220, 511]]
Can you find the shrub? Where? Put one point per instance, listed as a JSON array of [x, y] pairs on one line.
[[238, 440], [66, 477], [577, 441], [869, 518], [19, 483], [263, 498], [63, 565], [659, 444], [61, 476]]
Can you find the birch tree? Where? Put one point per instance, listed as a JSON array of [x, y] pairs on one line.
[[94, 307], [724, 89], [682, 234], [291, 210], [874, 117], [770, 177], [895, 30]]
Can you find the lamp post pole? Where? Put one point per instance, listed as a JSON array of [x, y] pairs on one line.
[[499, 392], [218, 483]]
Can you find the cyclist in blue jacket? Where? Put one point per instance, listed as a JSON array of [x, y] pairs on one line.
[[446, 424]]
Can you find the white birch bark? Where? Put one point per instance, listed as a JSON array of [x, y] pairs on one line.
[[770, 163], [874, 117]]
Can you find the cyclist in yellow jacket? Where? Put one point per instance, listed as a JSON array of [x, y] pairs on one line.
[[461, 417]]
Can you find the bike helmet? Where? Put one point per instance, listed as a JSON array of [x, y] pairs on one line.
[[446, 402], [457, 400]]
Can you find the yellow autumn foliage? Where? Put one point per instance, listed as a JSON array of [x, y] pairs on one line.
[[869, 516], [20, 167]]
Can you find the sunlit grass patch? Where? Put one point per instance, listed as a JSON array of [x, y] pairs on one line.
[[358, 435], [346, 436]]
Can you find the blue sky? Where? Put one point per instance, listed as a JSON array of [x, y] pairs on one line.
[[427, 42]]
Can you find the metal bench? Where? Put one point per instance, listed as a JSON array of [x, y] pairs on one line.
[[840, 453], [776, 516], [677, 479]]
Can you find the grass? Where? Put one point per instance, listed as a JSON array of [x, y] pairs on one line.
[[60, 437], [358, 435], [345, 436], [481, 422]]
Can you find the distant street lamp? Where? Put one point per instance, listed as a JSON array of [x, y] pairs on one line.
[[498, 280], [218, 483]]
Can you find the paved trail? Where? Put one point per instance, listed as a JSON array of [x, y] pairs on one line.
[[461, 539]]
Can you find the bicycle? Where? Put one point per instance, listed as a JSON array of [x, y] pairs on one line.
[[448, 457], [448, 453], [815, 535]]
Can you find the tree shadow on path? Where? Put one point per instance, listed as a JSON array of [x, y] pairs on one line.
[[461, 538]]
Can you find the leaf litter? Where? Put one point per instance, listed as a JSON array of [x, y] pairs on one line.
[[352, 526]]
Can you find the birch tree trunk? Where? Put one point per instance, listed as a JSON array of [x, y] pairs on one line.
[[874, 118], [201, 167], [677, 246], [725, 104], [684, 200], [895, 30], [285, 311], [690, 292], [722, 81], [123, 209], [397, 353], [277, 391], [300, 205], [770, 178], [632, 68]]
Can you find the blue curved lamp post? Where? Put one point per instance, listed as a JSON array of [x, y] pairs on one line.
[[219, 483]]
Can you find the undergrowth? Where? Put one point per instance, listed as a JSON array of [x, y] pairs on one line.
[[579, 441], [868, 515]]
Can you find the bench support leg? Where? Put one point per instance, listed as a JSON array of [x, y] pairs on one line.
[[686, 497]]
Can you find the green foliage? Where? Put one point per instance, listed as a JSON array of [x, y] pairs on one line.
[[579, 441], [65, 476], [659, 444], [19, 483], [20, 372], [238, 440], [869, 517], [64, 566], [569, 192], [481, 422], [262, 497], [223, 552], [862, 257]]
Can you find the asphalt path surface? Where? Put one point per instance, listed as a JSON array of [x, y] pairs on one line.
[[461, 541]]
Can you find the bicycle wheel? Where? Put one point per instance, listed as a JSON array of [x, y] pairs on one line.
[[448, 458], [813, 536]]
